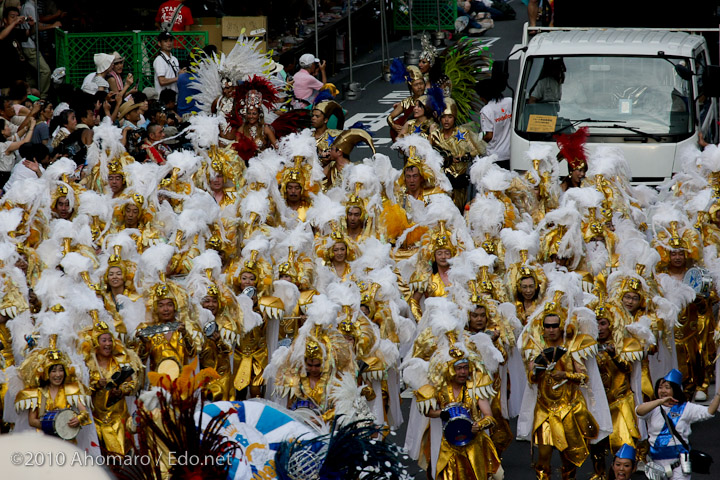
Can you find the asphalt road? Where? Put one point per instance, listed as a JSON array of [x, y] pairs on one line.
[[372, 106]]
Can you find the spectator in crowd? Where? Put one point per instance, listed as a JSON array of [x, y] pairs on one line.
[[166, 12], [35, 159], [36, 61], [17, 124], [41, 135], [144, 101], [75, 145], [95, 81], [185, 102], [495, 120], [129, 119], [65, 122], [11, 38], [114, 76], [166, 66], [168, 104], [155, 152], [18, 95], [305, 85], [9, 143]]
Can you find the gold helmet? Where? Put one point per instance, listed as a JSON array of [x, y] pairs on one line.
[[346, 141], [331, 107], [298, 173], [441, 238], [554, 308]]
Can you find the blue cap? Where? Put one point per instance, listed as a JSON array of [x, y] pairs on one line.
[[626, 451], [674, 376]]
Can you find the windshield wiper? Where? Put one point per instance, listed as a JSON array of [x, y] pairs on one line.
[[574, 123], [655, 137]]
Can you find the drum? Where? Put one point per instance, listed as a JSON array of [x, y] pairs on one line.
[[303, 404], [55, 423], [699, 279], [457, 428], [169, 367]]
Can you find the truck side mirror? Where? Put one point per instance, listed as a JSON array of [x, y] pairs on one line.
[[711, 81]]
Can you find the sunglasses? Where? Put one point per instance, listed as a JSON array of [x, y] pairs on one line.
[[551, 325]]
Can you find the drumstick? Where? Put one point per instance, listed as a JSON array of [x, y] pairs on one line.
[[555, 387]]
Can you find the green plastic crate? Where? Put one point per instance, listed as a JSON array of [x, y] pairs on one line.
[[75, 52], [424, 14]]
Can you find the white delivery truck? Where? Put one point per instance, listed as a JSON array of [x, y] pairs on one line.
[[648, 91]]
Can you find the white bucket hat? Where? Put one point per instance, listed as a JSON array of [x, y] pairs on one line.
[[103, 61]]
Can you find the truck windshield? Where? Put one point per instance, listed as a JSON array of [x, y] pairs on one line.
[[607, 94]]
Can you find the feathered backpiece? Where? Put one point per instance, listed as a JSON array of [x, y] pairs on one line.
[[463, 65], [436, 100], [397, 71]]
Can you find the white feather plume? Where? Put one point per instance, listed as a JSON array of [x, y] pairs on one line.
[[203, 131], [415, 372], [384, 172], [324, 213], [288, 293], [491, 356]]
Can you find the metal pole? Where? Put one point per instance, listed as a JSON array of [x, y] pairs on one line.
[[383, 27], [412, 36], [437, 3], [317, 45], [349, 7], [37, 49]]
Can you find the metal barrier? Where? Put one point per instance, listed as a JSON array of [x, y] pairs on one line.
[[75, 52], [426, 14]]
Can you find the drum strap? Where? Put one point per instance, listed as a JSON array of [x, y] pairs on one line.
[[41, 408]]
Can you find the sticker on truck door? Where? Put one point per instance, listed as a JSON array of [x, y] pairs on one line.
[[541, 123]]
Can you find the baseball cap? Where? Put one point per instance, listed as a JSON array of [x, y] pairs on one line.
[[164, 36], [308, 59]]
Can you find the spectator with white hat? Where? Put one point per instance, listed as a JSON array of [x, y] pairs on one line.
[[305, 85], [95, 81]]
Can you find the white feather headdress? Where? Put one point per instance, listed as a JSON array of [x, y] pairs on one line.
[[432, 159]]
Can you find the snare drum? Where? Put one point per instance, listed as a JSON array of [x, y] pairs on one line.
[[303, 404], [55, 423], [458, 428], [699, 279]]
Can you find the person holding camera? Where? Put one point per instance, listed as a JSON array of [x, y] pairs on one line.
[[36, 62], [671, 408], [11, 38], [166, 66]]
